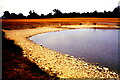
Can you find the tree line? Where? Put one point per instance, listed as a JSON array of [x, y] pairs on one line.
[[58, 14]]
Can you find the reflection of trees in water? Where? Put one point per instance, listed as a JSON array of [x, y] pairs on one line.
[[58, 14]]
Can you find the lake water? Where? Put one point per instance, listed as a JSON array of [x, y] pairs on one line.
[[94, 45]]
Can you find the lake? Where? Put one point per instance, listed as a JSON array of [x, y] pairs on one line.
[[94, 45]]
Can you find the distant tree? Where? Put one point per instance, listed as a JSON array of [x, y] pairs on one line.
[[105, 11], [116, 12], [13, 16], [95, 12], [33, 15], [21, 16], [49, 15], [30, 12], [42, 16], [6, 15], [57, 13], [117, 9], [103, 14]]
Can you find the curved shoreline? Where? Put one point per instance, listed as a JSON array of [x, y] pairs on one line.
[[64, 66]]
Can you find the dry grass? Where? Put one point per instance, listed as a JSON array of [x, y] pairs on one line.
[[58, 22]]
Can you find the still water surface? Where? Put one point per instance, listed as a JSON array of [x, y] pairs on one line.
[[95, 45]]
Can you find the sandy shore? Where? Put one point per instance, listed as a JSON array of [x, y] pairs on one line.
[[91, 26], [62, 65]]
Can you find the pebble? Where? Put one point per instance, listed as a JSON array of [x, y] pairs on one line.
[[105, 68], [72, 56], [85, 64]]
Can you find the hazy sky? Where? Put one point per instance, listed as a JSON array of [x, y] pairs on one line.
[[46, 6]]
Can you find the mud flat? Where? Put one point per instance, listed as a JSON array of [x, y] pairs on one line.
[[54, 63]]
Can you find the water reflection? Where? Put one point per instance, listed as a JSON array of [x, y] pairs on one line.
[[95, 45]]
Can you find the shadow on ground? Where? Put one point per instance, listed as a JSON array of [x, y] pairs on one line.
[[17, 67]]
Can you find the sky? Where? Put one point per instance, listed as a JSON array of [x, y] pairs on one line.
[[47, 6]]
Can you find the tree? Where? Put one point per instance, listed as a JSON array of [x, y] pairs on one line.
[[6, 15], [95, 12], [57, 13], [105, 11], [116, 12], [49, 15], [30, 12], [13, 16], [42, 16], [21, 16], [117, 9], [33, 15]]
